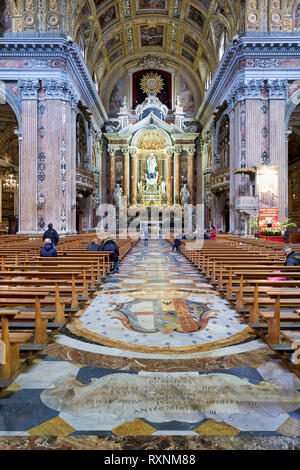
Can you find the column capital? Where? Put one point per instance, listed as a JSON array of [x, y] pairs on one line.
[[112, 150], [253, 88], [178, 149], [170, 151], [277, 89], [133, 151], [124, 149], [29, 88], [191, 149]]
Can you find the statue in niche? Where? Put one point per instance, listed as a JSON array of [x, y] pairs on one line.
[[184, 194], [140, 191], [117, 195], [151, 172], [163, 187]]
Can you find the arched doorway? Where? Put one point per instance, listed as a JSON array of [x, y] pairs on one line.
[[294, 172], [9, 170]]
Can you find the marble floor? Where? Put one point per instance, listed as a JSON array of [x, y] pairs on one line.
[[159, 359]]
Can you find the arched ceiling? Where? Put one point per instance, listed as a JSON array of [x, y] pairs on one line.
[[115, 35]]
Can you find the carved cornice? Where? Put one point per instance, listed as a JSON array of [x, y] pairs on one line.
[[54, 55]]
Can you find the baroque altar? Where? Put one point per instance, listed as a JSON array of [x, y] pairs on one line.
[[152, 154]]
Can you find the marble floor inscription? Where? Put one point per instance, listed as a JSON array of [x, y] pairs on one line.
[[157, 353]]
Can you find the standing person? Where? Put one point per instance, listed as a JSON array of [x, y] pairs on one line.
[[146, 234], [213, 235], [176, 243], [52, 234], [286, 236], [110, 245], [49, 249]]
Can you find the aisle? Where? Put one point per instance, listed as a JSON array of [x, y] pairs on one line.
[[157, 353]]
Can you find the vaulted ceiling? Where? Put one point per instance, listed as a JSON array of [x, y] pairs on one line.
[[115, 35]]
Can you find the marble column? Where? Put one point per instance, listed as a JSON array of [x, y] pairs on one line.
[[169, 179], [112, 177], [278, 153], [191, 177], [0, 201], [28, 166], [177, 178], [134, 178], [126, 176]]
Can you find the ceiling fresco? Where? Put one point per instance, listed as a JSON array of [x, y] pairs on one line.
[[116, 36]]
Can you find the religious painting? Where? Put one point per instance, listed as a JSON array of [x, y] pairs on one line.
[[164, 93], [152, 4], [116, 55], [152, 35], [187, 55], [268, 187], [108, 17], [186, 97], [297, 18], [113, 43], [190, 42], [117, 96], [5, 17], [196, 16]]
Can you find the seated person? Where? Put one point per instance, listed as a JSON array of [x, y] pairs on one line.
[[49, 250], [110, 245], [93, 245], [291, 257]]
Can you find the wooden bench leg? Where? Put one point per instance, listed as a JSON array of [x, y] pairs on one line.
[[40, 336], [11, 354], [274, 325]]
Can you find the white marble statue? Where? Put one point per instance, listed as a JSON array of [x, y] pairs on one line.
[[152, 172], [185, 194], [117, 195], [163, 187], [151, 165]]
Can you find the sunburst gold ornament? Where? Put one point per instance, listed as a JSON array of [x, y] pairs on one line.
[[152, 83]]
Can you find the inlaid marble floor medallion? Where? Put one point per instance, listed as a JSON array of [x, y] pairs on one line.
[[156, 353], [169, 312]]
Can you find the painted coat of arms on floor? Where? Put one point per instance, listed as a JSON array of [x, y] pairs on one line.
[[154, 315]]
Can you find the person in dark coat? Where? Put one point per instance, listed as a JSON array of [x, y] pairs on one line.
[[292, 258], [176, 244], [110, 245], [49, 250], [52, 234], [93, 246], [286, 236]]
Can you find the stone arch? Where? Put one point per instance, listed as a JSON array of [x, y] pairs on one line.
[[139, 133], [291, 104], [6, 96]]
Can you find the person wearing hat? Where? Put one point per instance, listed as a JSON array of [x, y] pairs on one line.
[[52, 234], [110, 245], [291, 257]]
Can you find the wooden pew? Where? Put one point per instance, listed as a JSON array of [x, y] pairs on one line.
[[12, 343]]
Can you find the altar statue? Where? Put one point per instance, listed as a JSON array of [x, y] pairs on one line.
[[163, 187], [151, 171], [117, 195], [184, 194]]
